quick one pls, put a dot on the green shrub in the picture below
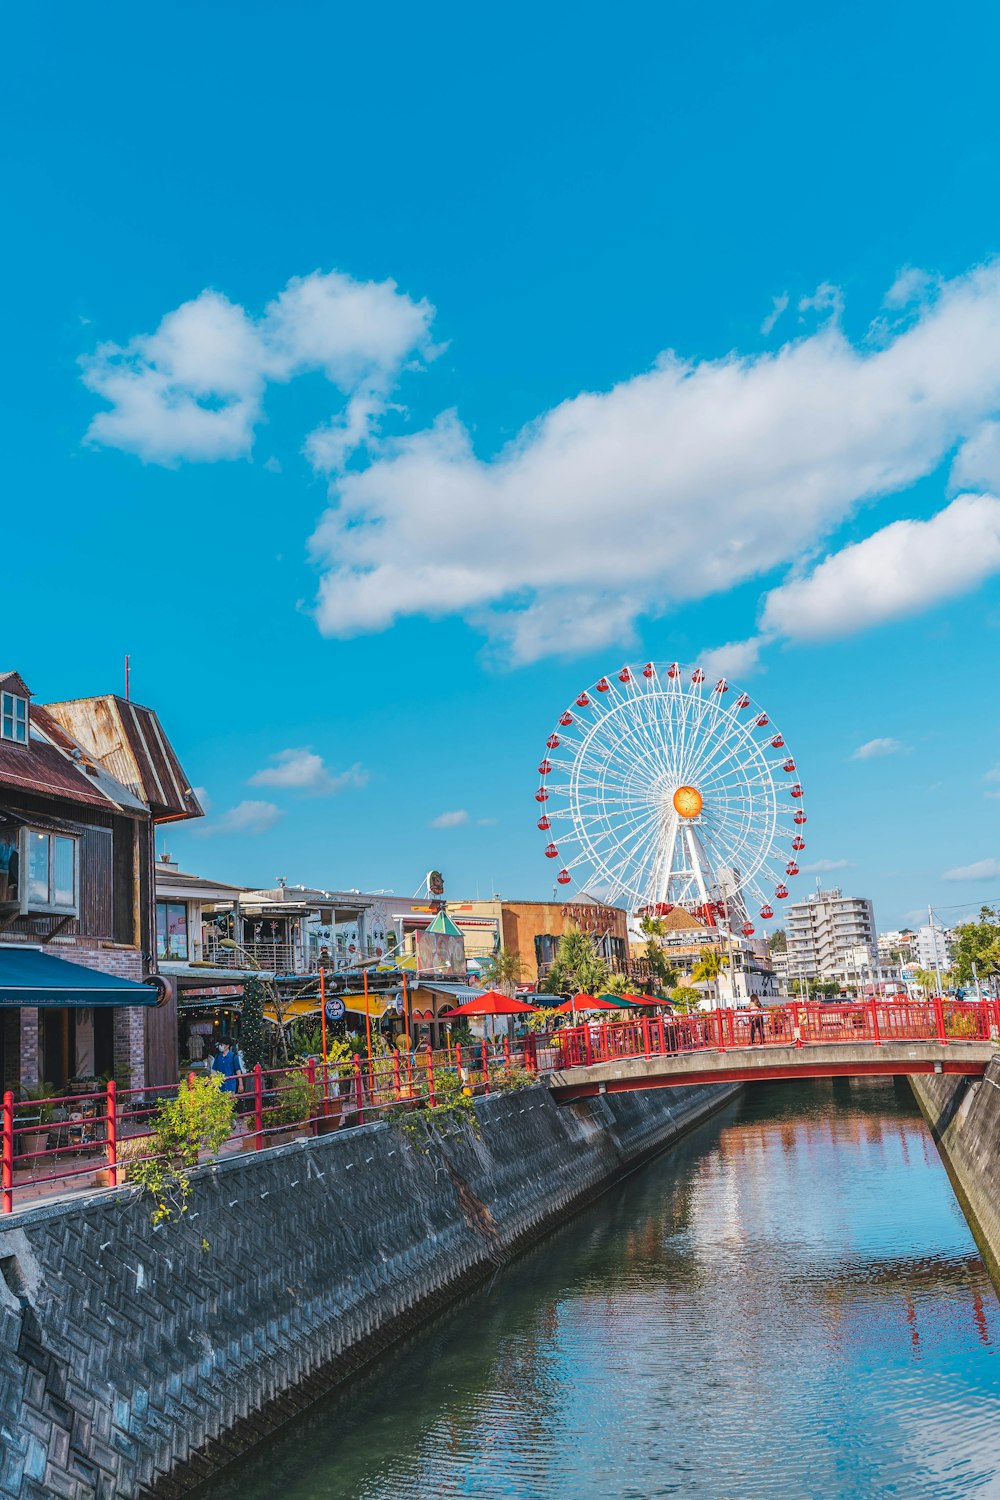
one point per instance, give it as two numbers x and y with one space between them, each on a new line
295 1103
199 1118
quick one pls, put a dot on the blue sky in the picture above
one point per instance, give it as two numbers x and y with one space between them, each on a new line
405 244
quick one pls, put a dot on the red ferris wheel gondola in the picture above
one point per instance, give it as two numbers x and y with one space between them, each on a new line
767 912
553 742
583 701
748 929
789 766
544 822
551 852
795 791
566 718
604 685
542 795
544 767
781 891
743 701
799 817
649 670
624 675
722 686
697 675
798 842
761 720
674 669
778 742
791 868
563 877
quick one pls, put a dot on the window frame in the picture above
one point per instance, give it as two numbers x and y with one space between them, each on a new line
51 907
168 957
14 706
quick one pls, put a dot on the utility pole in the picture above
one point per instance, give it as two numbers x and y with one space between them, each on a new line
937 961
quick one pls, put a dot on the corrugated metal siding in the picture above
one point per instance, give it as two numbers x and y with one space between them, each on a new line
97 883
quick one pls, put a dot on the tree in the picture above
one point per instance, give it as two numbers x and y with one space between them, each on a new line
709 967
978 943
661 969
503 971
685 999
253 1039
578 967
778 941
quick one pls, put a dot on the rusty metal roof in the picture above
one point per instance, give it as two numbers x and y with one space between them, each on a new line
128 741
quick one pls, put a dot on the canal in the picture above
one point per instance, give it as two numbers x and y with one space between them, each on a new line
789 1304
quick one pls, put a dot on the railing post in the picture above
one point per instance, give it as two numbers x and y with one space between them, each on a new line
939 1020
730 1027
430 1080
311 1075
8 1152
645 1036
662 1036
719 1031
359 1093
588 1052
111 1115
876 1033
258 1106
396 1075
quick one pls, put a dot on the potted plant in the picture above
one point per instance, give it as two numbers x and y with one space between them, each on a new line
287 1110
33 1108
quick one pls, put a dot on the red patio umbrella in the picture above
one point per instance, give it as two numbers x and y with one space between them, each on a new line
492 1003
585 1002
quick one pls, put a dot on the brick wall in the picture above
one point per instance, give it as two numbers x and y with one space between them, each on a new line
140 1360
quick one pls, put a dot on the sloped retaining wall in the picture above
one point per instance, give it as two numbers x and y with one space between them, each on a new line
136 1361
964 1119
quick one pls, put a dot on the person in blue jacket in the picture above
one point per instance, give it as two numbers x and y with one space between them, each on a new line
227 1062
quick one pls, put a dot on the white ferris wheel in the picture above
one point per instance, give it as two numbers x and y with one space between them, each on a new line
661 788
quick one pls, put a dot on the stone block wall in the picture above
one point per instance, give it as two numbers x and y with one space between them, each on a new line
964 1119
135 1361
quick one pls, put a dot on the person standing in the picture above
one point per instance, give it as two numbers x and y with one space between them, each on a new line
227 1062
756 1021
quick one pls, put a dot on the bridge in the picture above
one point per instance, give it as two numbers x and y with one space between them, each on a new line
879 1038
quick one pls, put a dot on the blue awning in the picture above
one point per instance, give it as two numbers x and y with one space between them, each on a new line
29 976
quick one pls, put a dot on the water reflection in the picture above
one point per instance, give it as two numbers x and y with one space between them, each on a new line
789 1305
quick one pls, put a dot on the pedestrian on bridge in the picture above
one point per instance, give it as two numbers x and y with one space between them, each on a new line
756 1021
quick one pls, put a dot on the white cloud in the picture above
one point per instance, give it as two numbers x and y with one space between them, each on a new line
779 304
825 866
450 819
983 869
678 483
194 389
738 659
204 800
600 510
905 567
875 749
305 771
245 817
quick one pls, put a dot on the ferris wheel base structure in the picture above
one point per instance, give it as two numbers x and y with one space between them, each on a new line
660 788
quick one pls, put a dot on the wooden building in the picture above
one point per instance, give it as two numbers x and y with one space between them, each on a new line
81 787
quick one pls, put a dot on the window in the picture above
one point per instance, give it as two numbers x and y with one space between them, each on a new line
14 718
171 929
49 861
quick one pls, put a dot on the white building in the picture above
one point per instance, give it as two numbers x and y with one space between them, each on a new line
824 929
903 942
933 947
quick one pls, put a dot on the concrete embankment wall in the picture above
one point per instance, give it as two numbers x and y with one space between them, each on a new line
964 1118
136 1360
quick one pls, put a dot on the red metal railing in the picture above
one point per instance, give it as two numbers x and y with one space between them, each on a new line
76 1141
799 1025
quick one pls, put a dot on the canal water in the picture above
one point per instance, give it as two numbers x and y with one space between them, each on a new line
789 1304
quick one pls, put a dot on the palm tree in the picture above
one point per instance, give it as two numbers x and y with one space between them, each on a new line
577 966
709 967
502 970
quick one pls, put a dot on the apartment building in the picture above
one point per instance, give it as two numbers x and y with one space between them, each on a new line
824 929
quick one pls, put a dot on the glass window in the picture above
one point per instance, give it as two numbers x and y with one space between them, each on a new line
50 861
14 718
171 929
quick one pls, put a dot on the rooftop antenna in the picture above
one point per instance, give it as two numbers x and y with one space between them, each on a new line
126 676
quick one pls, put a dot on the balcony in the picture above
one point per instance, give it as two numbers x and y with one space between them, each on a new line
274 958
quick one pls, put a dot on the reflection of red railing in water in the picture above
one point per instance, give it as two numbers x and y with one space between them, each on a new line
795 1024
90 1139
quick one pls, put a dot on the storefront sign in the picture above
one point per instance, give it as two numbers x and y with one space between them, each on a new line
335 1009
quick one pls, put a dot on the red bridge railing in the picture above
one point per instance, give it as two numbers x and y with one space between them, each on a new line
799 1025
75 1141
